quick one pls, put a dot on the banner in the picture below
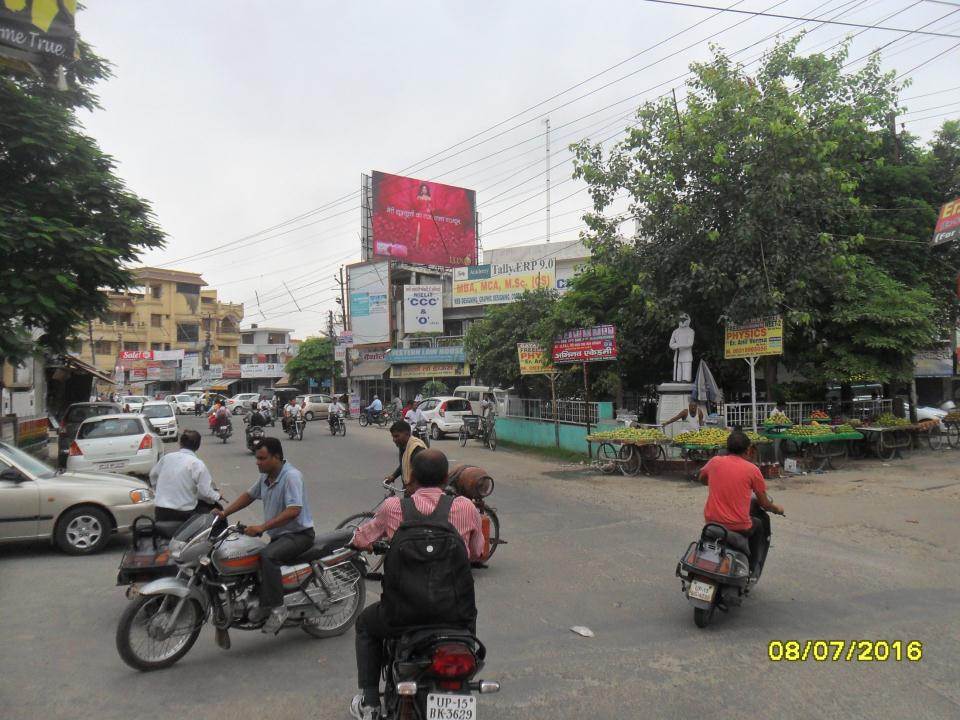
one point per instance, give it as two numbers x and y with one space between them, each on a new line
423 222
592 344
501 282
163 371
136 355
451 354
340 353
423 308
948 223
261 370
533 359
138 374
38 30
168 354
345 338
753 338
429 370
190 367
368 286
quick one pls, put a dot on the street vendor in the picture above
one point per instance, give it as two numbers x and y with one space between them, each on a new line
692 417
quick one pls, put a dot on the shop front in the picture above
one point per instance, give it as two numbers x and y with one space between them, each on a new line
410 368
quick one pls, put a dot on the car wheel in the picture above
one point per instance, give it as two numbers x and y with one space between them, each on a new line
83 531
308 415
236 410
435 433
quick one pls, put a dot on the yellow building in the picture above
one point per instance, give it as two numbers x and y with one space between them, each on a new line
167 310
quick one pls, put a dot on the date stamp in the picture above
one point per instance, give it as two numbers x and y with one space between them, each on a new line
845 650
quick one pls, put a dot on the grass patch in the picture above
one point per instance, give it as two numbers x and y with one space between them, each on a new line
551 453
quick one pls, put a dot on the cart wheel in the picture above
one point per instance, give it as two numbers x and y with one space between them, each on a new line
936 438
904 440
650 454
788 449
629 460
814 458
884 452
839 460
953 435
607 455
463 437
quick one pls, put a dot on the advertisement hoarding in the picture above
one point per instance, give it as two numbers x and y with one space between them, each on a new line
450 354
261 370
948 223
753 338
423 222
38 31
423 308
533 359
429 370
592 344
345 338
501 282
368 287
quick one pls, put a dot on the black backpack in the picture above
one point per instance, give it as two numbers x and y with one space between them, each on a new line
427 578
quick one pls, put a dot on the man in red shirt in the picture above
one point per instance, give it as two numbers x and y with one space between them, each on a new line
732 479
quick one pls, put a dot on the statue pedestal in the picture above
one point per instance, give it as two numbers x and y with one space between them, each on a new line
674 397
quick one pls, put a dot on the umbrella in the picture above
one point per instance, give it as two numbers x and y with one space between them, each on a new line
705 388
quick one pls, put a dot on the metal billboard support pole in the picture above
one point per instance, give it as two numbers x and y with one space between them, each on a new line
553 403
752 362
586 395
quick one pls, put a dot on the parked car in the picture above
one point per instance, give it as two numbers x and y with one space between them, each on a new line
182 403
133 403
75 414
162 418
242 401
115 443
318 406
444 414
79 510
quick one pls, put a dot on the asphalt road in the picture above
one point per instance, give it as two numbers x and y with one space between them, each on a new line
861 556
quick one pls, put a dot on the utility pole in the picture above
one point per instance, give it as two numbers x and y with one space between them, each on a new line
207 346
333 342
343 316
547 123
93 353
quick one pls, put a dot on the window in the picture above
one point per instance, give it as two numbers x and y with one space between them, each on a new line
103 347
80 413
227 327
188 289
276 339
474 395
458 406
156 320
156 291
188 332
226 351
131 346
247 338
158 411
111 427
156 346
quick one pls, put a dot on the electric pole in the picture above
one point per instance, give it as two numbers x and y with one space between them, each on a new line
333 343
547 123
343 316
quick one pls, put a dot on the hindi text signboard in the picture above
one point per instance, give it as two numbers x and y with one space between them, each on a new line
592 344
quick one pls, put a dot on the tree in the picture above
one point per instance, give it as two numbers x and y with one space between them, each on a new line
434 387
314 360
69 228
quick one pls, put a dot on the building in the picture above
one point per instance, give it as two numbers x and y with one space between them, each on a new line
164 334
264 352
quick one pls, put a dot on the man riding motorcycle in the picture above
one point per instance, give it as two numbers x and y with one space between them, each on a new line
336 410
265 407
290 411
424 490
373 408
408 446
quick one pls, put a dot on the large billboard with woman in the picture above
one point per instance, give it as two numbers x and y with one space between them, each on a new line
423 222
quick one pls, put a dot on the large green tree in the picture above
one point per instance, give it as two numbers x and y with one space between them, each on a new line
69 228
314 360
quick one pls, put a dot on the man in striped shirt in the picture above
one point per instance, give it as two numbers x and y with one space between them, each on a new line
427 477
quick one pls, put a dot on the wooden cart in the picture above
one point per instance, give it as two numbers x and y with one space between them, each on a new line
817 452
630 457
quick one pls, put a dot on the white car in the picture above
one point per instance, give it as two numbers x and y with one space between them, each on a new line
115 443
163 418
444 414
133 403
182 403
243 401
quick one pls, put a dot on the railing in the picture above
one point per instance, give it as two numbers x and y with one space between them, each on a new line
439 341
568 411
742 413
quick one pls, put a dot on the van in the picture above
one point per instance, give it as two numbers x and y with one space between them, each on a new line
474 394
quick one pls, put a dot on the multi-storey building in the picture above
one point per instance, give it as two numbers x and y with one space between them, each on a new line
264 352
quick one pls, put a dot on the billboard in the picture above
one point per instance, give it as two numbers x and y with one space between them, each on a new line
261 370
592 344
423 222
533 359
38 30
501 282
423 308
753 338
429 370
948 223
367 290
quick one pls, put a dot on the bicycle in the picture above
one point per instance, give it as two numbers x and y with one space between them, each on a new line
479 428
374 561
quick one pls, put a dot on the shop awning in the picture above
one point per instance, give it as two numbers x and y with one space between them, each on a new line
221 385
75 363
369 370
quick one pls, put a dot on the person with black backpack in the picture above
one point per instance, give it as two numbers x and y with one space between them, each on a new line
427 578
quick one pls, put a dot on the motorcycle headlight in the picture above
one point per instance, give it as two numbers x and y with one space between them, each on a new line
141 496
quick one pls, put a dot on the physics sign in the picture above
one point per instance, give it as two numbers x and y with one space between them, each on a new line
533 359
753 338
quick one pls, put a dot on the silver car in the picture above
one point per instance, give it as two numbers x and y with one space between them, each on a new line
77 511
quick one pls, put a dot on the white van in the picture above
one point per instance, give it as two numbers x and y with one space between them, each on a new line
474 394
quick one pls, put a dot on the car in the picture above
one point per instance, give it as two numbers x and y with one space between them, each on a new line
242 401
476 394
133 403
70 421
183 403
123 443
80 510
444 414
318 406
162 418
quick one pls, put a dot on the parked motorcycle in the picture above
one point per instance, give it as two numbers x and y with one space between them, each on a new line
717 571
295 427
338 426
218 583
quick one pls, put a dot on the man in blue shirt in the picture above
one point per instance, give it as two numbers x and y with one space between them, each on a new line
286 519
375 407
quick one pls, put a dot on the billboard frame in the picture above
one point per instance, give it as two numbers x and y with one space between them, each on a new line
390 322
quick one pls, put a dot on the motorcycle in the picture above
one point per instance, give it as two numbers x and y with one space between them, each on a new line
717 571
430 672
223 430
373 418
217 582
254 433
420 431
338 426
295 427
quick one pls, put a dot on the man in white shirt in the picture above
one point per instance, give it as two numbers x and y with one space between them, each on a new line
181 480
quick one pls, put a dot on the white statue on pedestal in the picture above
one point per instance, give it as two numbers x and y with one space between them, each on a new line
681 342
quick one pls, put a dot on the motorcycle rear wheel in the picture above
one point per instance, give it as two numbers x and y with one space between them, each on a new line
701 617
355 605
138 614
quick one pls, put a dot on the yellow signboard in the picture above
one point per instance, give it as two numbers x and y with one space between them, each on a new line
754 338
534 360
501 282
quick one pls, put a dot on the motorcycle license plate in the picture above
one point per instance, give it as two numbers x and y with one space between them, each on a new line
451 707
701 590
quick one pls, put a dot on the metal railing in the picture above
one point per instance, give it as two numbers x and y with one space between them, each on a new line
439 341
742 413
568 411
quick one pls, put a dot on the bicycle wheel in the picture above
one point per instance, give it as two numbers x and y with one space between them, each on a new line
607 455
463 437
353 522
936 438
492 439
838 460
494 531
629 460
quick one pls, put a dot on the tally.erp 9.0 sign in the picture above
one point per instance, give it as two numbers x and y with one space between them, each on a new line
423 308
423 222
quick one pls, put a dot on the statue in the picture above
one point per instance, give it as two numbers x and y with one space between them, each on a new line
681 342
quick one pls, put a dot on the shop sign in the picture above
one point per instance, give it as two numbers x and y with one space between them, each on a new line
161 371
231 371
138 374
340 353
345 339
533 359
261 370
168 354
753 338
136 355
453 354
38 31
423 308
592 344
429 370
948 223
501 282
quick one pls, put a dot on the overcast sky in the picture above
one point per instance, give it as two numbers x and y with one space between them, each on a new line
234 117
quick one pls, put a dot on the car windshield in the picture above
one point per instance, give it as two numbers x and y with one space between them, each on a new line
184 398
157 411
81 413
133 399
28 462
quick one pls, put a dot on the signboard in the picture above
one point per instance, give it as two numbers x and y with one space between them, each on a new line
340 353
453 354
501 282
753 338
190 367
368 287
345 339
162 370
136 355
593 344
138 374
423 222
231 371
429 370
168 354
38 30
261 370
533 359
933 363
948 223
423 308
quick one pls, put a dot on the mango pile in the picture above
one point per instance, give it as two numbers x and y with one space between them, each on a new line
640 435
704 436
952 416
756 438
811 430
891 420
845 428
778 418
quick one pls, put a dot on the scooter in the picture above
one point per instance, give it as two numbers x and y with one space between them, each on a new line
717 572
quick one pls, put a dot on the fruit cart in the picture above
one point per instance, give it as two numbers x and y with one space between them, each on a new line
697 447
817 447
888 442
951 425
629 450
930 433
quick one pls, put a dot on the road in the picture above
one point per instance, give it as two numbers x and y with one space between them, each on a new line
862 554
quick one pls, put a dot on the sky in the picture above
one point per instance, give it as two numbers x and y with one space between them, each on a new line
232 118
